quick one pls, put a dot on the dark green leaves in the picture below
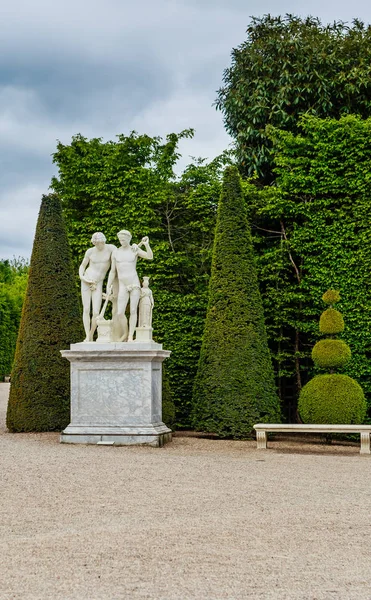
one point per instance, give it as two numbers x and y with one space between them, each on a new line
130 184
13 281
287 67
322 206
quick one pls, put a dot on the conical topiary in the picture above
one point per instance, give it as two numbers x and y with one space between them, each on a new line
40 390
331 398
234 386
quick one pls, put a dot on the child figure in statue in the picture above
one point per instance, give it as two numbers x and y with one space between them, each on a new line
123 261
146 305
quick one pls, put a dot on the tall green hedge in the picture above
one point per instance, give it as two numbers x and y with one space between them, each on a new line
234 387
39 391
130 184
13 281
311 231
9 321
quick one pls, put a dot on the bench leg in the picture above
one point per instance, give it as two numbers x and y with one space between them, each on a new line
261 440
365 443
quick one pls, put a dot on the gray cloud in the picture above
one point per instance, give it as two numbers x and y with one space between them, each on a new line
106 68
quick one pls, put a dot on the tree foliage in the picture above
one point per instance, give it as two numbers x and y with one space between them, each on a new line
40 391
311 231
234 387
13 281
289 66
130 184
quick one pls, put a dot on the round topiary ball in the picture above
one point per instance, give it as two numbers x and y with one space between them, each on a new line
331 297
331 321
332 399
331 354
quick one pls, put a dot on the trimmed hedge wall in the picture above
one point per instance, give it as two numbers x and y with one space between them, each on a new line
13 282
313 231
130 184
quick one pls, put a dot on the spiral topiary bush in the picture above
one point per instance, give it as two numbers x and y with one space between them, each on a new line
331 398
331 321
330 354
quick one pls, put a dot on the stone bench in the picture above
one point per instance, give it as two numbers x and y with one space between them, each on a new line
263 428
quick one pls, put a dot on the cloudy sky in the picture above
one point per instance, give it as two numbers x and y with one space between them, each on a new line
103 68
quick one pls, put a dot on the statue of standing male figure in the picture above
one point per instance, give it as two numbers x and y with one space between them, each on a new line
123 265
123 284
92 271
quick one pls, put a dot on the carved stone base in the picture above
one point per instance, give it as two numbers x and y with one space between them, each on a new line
116 394
119 436
104 328
143 334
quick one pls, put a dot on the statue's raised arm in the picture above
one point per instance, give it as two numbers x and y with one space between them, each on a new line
148 254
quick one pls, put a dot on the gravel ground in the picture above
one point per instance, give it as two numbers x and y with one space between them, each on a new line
197 519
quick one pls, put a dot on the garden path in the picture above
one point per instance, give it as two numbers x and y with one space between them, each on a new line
199 518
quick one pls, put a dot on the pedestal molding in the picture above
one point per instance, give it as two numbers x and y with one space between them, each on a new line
116 394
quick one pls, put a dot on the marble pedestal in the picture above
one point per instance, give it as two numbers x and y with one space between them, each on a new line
116 394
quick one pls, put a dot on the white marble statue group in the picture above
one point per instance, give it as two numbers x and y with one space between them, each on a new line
123 288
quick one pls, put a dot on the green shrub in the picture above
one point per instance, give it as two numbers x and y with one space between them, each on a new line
331 354
322 207
168 407
331 322
331 297
9 321
332 399
13 282
130 183
234 387
40 389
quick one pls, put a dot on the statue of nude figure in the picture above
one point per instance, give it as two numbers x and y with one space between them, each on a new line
124 260
92 271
